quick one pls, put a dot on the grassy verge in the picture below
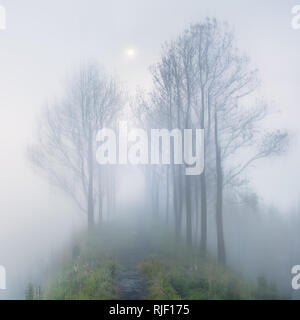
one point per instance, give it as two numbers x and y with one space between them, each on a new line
176 272
86 274
88 269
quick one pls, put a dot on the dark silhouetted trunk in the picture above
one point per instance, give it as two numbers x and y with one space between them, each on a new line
196 193
168 195
188 179
203 241
100 210
203 191
219 200
177 204
188 201
90 184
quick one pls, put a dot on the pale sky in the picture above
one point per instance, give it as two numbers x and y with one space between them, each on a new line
45 40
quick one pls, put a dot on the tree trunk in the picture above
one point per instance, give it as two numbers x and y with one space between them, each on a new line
203 241
196 209
113 193
219 200
188 200
90 184
203 191
100 212
188 181
167 196
155 196
177 209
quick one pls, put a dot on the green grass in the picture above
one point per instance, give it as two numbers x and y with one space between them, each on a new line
172 270
171 279
84 282
177 272
90 276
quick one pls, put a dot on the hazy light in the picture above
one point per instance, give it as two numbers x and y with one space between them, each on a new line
130 53
130 187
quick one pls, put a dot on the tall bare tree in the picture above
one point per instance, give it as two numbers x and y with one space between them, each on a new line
66 143
203 81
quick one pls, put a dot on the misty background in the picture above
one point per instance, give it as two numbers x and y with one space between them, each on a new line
43 43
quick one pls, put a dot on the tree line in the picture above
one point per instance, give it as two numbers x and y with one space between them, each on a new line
200 81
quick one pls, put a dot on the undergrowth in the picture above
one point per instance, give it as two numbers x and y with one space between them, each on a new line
177 272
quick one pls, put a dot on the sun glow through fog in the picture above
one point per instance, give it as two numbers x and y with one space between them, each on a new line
130 53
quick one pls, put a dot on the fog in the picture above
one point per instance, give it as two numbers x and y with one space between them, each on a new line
45 41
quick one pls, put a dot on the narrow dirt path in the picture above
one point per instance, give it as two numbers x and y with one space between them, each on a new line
131 282
132 285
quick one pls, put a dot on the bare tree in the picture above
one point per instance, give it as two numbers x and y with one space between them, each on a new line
203 81
231 81
66 144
